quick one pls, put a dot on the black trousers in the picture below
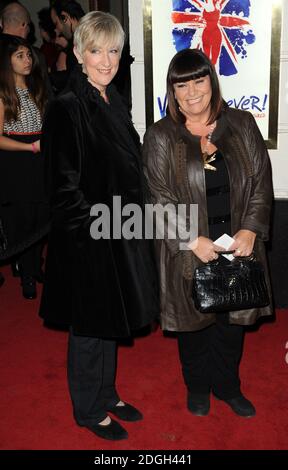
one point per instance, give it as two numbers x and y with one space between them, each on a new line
91 377
210 358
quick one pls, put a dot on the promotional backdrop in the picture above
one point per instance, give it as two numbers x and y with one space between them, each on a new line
237 35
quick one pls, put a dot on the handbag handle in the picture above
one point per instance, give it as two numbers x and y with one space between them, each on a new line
230 252
237 259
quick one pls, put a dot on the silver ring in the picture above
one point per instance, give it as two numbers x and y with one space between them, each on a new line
238 251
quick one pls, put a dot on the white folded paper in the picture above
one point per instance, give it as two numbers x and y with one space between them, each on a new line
225 241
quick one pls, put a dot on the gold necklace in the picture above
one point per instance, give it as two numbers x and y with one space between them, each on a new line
207 159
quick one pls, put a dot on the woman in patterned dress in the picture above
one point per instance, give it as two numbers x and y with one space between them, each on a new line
22 202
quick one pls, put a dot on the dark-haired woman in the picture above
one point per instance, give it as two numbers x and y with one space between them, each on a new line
207 154
22 202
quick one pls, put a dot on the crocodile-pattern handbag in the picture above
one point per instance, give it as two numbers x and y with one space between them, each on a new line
238 285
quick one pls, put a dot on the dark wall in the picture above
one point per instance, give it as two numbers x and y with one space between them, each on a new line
278 253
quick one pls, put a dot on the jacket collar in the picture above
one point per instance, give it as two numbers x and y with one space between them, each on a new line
114 119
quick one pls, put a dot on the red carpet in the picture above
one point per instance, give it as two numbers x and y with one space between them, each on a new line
35 406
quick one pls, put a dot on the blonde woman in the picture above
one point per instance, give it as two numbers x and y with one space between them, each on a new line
103 289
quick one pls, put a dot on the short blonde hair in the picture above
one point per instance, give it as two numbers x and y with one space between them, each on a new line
96 29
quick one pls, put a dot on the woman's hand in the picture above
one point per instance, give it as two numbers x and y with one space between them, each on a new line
36 146
204 249
244 243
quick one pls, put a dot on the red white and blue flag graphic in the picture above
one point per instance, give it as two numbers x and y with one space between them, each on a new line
221 28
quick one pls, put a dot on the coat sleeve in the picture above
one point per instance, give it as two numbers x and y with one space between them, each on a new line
159 173
61 145
257 218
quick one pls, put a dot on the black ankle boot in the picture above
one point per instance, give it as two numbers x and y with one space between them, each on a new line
240 405
199 403
28 287
15 268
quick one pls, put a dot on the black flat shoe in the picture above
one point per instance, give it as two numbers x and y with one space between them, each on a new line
240 405
15 268
113 431
28 287
198 404
126 412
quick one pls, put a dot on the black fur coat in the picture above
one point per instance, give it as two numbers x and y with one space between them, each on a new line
103 288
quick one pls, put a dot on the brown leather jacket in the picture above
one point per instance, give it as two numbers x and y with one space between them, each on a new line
174 168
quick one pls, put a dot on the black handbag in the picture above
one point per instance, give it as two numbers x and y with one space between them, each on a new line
238 285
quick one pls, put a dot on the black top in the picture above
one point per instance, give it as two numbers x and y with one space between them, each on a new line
218 198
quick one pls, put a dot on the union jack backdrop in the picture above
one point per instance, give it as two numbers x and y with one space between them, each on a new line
241 38
221 28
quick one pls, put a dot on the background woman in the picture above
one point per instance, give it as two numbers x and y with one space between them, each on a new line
23 210
207 154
